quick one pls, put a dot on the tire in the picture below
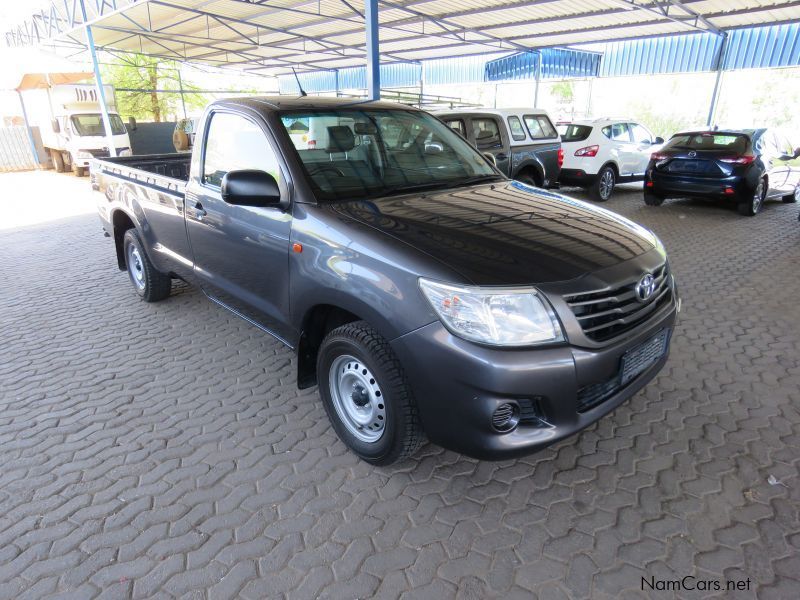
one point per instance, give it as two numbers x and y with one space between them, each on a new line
751 206
150 284
792 198
380 425
651 199
58 161
78 171
528 178
603 186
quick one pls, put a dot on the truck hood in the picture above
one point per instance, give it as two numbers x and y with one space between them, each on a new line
506 233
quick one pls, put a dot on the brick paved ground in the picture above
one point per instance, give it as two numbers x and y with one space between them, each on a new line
163 450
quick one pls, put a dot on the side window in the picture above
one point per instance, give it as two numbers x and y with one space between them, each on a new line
540 127
617 132
487 134
515 126
233 143
640 134
458 125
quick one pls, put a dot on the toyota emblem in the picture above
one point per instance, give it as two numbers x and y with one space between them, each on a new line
645 288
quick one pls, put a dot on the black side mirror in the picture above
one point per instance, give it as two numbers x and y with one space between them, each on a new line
658 140
249 187
55 126
131 124
797 152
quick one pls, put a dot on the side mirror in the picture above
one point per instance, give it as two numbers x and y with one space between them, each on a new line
490 157
131 124
797 152
658 140
434 148
55 125
250 188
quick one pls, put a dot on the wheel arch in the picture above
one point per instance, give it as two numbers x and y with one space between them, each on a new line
318 321
121 221
531 165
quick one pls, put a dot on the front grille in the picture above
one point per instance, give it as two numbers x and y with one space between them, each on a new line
634 363
606 314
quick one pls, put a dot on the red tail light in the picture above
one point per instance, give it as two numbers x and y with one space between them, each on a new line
738 160
312 144
587 151
560 157
659 156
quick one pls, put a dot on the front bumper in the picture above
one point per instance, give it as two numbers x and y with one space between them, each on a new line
458 385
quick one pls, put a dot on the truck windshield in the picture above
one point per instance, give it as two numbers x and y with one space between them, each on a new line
92 124
352 154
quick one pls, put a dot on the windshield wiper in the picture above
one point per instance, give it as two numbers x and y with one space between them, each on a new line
477 179
438 185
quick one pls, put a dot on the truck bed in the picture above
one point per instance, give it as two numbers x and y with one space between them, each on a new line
163 172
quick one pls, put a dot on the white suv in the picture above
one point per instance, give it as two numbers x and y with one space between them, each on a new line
600 153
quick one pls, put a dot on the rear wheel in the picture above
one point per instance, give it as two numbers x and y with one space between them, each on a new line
78 171
529 178
792 198
366 394
751 206
652 199
151 285
58 161
604 184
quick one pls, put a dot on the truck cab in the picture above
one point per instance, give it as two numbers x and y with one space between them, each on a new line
72 128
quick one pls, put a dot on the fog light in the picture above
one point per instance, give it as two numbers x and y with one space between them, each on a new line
506 417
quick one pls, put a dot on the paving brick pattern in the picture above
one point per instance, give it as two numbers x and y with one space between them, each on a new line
163 450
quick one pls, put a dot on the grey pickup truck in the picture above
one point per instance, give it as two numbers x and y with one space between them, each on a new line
523 142
424 292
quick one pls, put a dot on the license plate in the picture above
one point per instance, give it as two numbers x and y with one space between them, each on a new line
637 360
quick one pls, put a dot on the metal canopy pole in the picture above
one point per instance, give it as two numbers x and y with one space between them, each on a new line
373 52
28 130
538 77
101 95
712 110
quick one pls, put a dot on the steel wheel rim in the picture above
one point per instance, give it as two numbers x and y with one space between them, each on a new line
357 398
757 197
135 267
606 182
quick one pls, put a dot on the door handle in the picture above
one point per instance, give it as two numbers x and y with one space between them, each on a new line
501 156
199 211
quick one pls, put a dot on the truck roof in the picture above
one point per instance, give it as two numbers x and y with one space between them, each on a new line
276 103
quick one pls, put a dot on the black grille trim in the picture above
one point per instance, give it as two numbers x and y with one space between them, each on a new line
606 314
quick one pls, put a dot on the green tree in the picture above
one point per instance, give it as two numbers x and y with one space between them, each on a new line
563 92
145 76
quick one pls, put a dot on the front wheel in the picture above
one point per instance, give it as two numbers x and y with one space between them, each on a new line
604 185
58 161
792 198
78 171
150 284
751 206
366 394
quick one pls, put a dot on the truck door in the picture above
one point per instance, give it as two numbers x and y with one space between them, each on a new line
487 136
240 252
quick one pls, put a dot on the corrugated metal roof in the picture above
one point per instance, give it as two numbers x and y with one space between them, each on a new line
272 36
557 63
759 47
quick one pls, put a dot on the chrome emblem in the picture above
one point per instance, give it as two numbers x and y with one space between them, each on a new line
692 154
646 287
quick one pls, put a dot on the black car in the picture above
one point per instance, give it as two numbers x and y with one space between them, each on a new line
421 289
745 166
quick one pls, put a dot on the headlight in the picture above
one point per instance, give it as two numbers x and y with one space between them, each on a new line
83 154
125 152
496 316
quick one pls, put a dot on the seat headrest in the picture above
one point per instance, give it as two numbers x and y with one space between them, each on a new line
340 139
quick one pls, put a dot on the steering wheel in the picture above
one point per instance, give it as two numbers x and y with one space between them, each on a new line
314 170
